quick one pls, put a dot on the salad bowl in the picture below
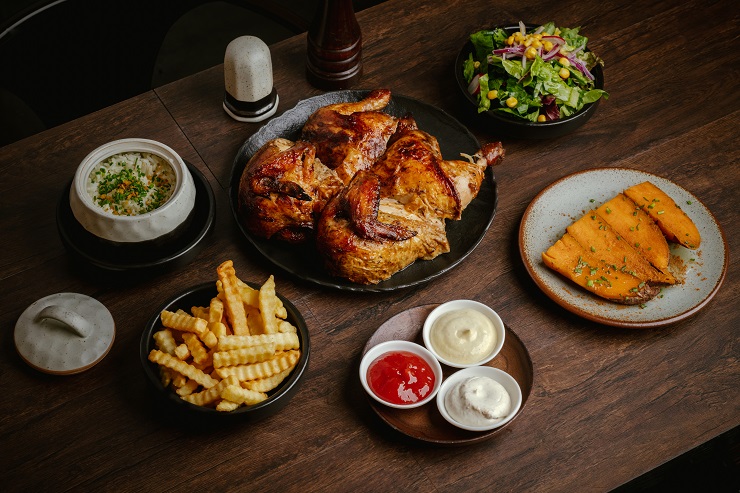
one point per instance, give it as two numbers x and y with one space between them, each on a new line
512 126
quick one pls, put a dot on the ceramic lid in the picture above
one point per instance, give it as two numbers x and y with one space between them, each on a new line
64 333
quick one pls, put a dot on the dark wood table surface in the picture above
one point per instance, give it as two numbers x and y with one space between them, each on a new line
607 404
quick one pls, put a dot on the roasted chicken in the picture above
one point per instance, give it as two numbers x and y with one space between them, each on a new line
414 172
351 136
366 239
282 190
394 213
375 189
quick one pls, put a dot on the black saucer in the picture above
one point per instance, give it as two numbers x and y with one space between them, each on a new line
100 254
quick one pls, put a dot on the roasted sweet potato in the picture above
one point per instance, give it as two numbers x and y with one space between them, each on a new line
675 224
568 257
596 235
638 229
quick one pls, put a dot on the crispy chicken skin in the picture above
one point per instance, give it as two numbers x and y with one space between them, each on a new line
366 239
350 137
374 189
414 172
365 232
282 190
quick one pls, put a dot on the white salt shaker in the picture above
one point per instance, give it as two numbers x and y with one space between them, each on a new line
249 95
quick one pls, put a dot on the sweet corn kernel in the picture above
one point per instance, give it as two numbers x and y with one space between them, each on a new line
528 42
564 73
492 94
511 102
537 43
531 53
547 45
541 118
510 40
564 61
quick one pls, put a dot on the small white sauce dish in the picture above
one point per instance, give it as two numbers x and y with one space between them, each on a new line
488 312
500 376
399 345
148 226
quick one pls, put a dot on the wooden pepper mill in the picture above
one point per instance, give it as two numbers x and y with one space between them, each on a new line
334 51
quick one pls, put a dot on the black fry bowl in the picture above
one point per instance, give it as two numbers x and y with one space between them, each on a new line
511 126
166 398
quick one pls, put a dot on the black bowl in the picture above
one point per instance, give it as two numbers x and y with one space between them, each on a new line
511 126
201 295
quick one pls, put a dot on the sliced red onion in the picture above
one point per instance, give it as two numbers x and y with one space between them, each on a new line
474 86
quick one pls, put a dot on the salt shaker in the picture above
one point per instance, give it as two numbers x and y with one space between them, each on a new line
249 95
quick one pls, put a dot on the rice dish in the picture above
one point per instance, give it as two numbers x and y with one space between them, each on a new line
131 183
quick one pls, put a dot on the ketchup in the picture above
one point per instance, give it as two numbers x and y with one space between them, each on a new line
400 377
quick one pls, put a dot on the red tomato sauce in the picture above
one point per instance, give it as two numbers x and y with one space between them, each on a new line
400 377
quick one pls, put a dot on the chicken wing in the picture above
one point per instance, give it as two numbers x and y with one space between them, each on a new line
351 136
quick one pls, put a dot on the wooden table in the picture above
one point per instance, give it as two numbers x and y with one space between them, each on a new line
607 404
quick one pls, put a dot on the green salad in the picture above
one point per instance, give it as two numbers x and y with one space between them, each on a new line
541 75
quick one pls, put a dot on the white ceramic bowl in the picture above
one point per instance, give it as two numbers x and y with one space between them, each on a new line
390 346
506 380
498 327
131 229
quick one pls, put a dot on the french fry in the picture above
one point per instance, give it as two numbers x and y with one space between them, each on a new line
281 361
249 295
282 341
178 380
200 312
233 305
243 356
254 319
287 327
164 341
241 395
226 406
215 310
182 352
211 394
164 359
231 352
209 338
269 383
187 388
218 329
197 350
268 304
183 322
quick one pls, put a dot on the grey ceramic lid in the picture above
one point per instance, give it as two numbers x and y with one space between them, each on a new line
64 333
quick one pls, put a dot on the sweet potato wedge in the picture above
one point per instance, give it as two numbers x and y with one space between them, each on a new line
596 235
638 229
570 259
675 224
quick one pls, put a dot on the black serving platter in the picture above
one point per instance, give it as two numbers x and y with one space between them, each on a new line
304 261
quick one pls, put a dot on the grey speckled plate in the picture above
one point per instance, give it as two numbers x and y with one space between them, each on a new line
567 199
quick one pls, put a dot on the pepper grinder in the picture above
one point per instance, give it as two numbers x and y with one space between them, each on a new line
249 95
334 48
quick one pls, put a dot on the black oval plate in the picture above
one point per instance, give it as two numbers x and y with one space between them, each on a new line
91 251
304 261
